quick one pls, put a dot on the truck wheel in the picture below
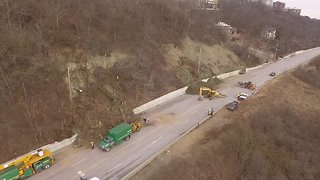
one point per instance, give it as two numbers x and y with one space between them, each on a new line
127 138
46 166
108 149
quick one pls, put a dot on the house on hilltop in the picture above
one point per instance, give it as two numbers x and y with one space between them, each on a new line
269 33
279 6
208 4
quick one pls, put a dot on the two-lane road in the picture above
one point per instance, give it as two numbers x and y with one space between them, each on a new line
167 123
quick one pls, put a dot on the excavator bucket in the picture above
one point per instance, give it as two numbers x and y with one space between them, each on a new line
242 71
136 126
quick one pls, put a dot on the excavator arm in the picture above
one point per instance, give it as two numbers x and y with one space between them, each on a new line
17 161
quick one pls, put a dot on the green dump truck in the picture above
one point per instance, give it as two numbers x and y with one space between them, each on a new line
115 136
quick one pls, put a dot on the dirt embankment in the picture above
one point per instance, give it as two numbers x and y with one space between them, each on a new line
274 135
119 55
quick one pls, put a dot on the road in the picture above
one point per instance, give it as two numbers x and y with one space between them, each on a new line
167 123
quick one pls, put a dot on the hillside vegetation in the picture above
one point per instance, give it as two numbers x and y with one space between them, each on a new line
78 66
273 135
293 32
119 54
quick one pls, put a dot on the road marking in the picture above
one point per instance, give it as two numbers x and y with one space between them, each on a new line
156 140
79 162
114 168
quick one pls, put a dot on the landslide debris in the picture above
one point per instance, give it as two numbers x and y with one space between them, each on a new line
212 83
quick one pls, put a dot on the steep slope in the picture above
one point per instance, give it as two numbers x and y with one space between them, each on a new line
81 66
78 66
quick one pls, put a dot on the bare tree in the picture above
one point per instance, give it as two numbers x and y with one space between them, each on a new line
8 15
58 10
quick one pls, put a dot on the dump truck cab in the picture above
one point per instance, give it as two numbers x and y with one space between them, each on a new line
106 143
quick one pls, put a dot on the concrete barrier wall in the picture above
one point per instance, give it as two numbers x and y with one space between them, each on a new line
295 53
224 76
52 147
160 100
253 68
229 74
59 145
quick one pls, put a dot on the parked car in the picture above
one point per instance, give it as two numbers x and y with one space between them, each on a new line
242 96
233 105
272 74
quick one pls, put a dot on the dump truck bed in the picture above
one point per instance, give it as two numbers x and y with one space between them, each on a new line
120 131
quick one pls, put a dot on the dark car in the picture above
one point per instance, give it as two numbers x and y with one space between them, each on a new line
233 105
272 74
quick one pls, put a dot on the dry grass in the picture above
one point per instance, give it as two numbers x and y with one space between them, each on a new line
39 39
272 136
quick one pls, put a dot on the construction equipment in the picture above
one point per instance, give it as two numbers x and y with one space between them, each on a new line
210 93
27 165
136 126
243 71
115 136
247 85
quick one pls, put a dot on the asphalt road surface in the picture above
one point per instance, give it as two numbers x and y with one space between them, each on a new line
166 123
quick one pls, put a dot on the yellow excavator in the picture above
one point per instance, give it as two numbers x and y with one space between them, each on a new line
136 126
210 93
243 71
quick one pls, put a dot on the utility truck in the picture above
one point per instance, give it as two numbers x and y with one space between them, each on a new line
27 165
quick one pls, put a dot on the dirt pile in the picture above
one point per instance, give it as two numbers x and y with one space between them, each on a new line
276 139
212 83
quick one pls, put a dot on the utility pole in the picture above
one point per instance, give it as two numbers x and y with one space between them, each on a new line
199 61
294 37
70 92
276 51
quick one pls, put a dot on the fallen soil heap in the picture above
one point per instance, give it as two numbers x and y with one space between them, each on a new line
212 83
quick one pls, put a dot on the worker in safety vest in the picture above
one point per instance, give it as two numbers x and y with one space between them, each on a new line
210 112
92 145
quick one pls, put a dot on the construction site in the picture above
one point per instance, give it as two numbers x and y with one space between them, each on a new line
269 140
75 72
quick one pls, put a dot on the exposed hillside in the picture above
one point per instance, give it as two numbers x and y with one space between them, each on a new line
274 135
119 54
